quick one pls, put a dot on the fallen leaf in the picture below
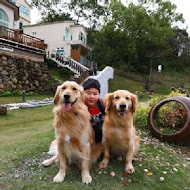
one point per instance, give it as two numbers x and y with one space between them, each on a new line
125 183
149 173
137 180
126 174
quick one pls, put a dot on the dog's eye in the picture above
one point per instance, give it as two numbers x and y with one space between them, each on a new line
74 89
127 98
63 88
117 97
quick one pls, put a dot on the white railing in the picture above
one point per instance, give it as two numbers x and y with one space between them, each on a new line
76 67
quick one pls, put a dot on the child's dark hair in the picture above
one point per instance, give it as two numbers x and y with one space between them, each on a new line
91 83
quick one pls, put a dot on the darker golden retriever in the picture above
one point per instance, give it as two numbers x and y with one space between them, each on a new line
118 131
75 139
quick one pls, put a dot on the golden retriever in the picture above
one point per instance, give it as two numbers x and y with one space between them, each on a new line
75 137
118 130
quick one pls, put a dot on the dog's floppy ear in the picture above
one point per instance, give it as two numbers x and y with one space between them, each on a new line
108 101
81 90
134 102
56 97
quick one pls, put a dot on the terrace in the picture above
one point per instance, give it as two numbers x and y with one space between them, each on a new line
16 42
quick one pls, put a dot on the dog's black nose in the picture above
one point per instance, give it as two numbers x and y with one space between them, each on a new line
67 96
122 106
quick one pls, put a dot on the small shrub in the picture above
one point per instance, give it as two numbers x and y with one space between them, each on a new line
141 117
65 72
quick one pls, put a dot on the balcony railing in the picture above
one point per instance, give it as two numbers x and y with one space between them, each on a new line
76 42
25 39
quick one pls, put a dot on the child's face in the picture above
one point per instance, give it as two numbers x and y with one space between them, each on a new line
91 96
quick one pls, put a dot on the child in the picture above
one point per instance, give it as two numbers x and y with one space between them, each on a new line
95 106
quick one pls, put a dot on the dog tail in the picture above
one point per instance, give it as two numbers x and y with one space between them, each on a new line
96 151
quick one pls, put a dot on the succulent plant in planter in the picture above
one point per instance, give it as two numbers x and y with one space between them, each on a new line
170 118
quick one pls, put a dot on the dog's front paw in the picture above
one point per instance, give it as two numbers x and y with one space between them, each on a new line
46 163
58 178
103 164
86 179
129 169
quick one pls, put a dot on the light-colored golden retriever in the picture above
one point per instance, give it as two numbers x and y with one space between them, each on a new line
75 139
118 131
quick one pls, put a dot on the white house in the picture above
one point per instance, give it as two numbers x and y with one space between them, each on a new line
61 37
12 40
14 13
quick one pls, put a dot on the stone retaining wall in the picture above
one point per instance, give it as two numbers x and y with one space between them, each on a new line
24 74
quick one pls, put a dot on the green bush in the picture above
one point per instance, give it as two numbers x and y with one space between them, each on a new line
50 63
141 117
157 99
65 72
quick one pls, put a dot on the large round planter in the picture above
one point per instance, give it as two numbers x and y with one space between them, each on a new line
181 137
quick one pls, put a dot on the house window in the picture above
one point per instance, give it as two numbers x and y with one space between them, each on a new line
33 33
4 20
81 37
20 25
66 33
23 10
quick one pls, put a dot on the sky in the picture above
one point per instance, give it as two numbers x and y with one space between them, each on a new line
183 6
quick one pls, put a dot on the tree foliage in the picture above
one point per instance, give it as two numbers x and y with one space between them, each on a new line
136 35
89 11
132 37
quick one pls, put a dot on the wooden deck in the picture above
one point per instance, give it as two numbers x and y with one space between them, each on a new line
17 36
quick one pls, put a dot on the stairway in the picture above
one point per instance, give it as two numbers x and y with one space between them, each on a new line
76 67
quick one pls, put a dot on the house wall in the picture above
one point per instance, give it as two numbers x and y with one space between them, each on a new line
24 13
76 52
75 31
10 14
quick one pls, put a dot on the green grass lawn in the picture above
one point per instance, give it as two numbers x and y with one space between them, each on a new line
25 136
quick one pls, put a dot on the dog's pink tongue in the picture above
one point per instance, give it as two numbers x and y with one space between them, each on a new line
66 106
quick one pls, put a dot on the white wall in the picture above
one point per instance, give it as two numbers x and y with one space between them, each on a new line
75 30
25 19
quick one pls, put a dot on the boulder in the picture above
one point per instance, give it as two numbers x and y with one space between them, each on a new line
3 110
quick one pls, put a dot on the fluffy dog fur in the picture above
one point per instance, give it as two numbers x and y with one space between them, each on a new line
118 130
75 139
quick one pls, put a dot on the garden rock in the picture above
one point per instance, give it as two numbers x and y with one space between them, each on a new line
3 110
